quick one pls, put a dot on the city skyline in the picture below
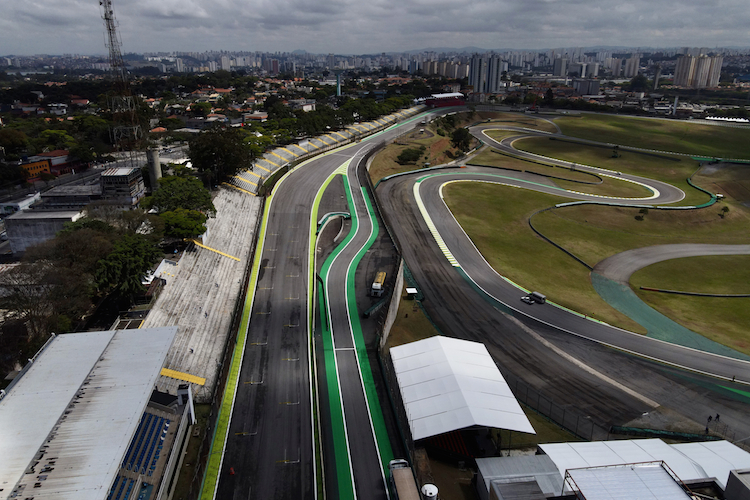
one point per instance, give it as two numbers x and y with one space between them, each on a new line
346 27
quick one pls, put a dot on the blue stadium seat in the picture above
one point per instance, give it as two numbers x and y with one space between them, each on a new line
114 487
148 446
132 442
140 435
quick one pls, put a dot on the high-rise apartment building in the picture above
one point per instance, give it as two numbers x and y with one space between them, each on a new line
486 72
632 65
225 63
714 73
698 72
560 67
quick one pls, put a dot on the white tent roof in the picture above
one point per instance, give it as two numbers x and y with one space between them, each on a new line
717 458
642 481
73 411
689 461
448 384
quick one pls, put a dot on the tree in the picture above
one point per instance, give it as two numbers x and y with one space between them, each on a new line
461 139
639 83
549 97
410 155
122 271
24 296
183 223
180 192
55 139
201 108
14 141
220 153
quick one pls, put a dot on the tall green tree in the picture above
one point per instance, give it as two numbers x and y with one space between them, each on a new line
220 153
461 139
180 192
183 223
122 271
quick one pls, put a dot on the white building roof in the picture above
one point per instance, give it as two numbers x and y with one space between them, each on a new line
118 171
446 95
73 411
642 481
716 458
690 461
448 384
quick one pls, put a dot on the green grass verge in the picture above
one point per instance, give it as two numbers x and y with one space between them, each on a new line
629 162
191 460
662 135
611 186
517 253
722 320
411 323
594 233
522 120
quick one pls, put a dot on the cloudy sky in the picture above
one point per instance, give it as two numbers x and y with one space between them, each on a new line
369 26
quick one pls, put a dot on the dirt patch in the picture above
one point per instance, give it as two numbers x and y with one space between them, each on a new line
664 419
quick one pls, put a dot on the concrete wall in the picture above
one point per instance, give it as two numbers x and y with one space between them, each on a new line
393 307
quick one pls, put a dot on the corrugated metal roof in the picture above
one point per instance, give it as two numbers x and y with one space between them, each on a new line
689 461
579 455
518 490
641 481
448 384
539 467
73 412
118 171
716 458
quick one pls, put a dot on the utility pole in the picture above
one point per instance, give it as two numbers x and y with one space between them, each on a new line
126 132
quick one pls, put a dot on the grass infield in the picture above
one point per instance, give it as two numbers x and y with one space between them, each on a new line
663 135
722 320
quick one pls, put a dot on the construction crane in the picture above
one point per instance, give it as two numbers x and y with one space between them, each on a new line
126 132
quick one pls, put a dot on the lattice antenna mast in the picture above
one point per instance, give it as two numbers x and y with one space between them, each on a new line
126 132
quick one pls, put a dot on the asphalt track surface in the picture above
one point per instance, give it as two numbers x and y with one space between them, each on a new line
621 266
456 307
270 446
401 190
477 268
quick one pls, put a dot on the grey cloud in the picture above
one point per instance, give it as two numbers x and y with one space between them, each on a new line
355 26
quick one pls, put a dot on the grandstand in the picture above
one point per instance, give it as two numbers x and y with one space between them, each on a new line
202 291
264 167
443 100
83 421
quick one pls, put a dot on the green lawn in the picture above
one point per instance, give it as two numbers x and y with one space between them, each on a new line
723 320
411 324
664 135
522 120
592 233
495 217
610 186
673 172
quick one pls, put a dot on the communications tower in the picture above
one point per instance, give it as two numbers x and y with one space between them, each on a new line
126 132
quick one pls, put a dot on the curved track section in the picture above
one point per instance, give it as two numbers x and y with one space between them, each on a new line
415 201
621 266
664 192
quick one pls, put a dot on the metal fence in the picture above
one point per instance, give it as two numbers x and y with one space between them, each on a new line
566 417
